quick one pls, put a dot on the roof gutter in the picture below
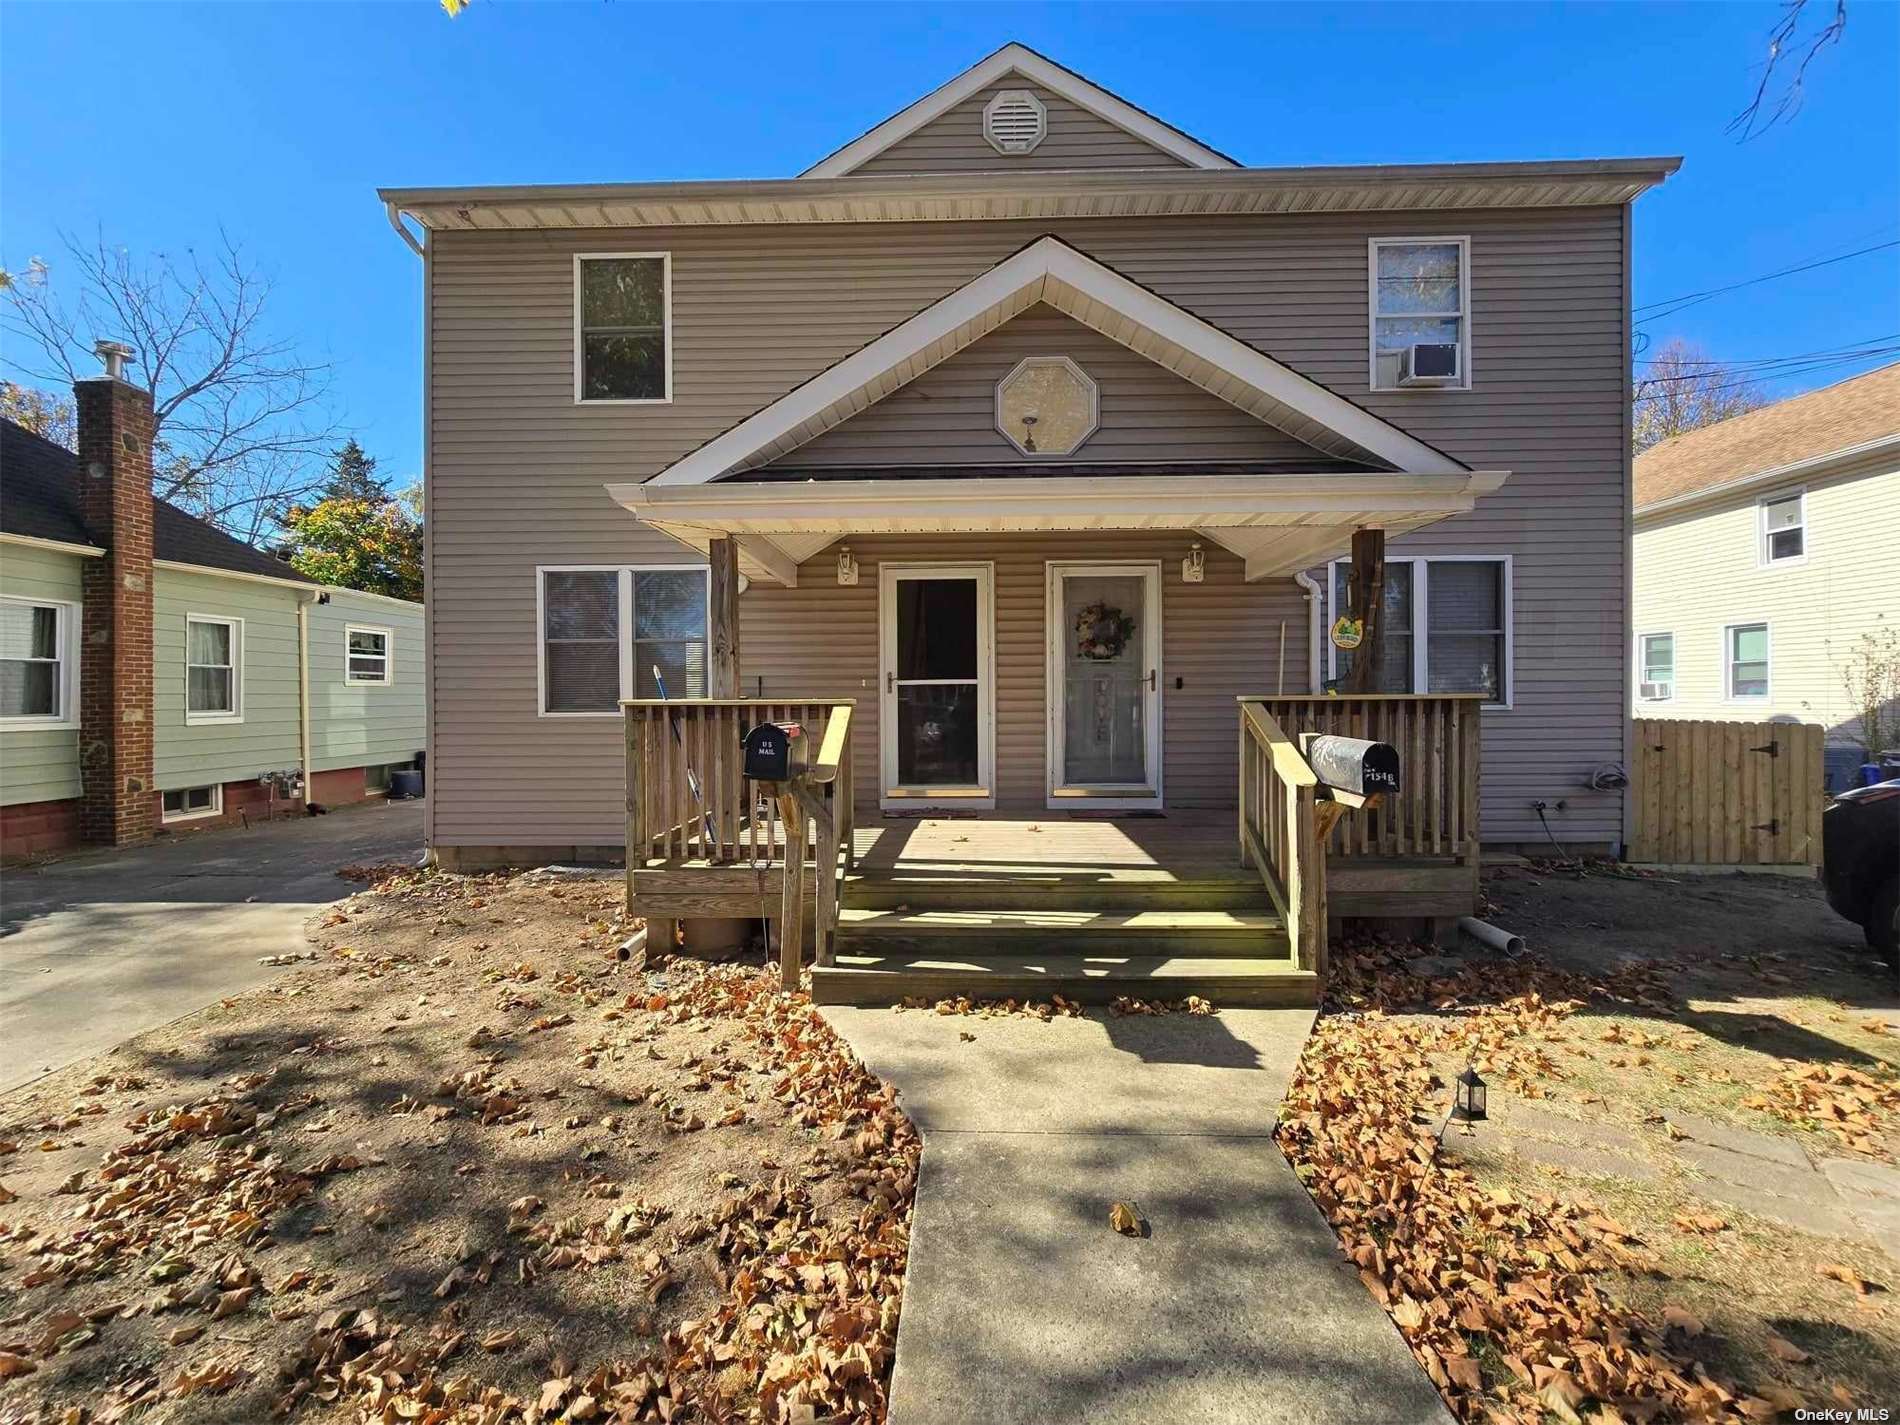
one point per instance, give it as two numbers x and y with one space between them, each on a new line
57 546
1805 466
394 214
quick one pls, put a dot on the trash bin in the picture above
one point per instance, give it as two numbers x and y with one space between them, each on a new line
405 784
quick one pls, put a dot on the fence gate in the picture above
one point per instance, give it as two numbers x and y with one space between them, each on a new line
1727 793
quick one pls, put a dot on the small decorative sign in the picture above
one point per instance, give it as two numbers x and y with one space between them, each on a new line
1348 632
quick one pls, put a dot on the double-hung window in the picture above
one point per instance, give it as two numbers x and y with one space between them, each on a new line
609 633
1420 295
366 654
214 669
1784 529
623 327
1444 626
39 664
1656 667
1745 662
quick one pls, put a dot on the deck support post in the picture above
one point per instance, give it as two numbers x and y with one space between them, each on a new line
791 921
722 641
1366 594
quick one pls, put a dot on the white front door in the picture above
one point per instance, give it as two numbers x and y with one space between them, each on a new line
937 698
1104 674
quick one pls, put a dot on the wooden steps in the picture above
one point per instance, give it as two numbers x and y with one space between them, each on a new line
871 979
978 930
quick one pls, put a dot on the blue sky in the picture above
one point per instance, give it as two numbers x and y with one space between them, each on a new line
158 123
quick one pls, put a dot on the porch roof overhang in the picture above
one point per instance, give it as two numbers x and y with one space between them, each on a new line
1278 523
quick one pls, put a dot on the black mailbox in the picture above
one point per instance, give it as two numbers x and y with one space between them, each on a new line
1352 764
776 751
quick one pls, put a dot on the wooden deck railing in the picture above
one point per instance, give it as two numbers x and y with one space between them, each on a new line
1279 832
1436 734
689 802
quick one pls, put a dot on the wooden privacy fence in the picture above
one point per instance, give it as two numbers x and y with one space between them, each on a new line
1712 793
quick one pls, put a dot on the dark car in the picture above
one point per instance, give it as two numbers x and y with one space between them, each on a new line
1860 845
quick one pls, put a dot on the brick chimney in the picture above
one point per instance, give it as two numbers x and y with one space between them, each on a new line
115 662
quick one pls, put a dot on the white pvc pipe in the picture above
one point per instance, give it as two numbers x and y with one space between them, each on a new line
1489 936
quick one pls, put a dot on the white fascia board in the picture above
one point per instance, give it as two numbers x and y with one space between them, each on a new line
56 546
961 317
1016 59
1166 501
302 586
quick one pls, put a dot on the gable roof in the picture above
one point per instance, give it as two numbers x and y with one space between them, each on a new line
1020 60
39 499
1860 411
1049 270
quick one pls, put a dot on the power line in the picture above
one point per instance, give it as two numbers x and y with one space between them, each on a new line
1807 370
1770 369
1736 362
1691 299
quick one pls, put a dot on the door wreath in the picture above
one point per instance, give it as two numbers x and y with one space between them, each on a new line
1101 632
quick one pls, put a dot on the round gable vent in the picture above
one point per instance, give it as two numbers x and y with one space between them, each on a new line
1015 121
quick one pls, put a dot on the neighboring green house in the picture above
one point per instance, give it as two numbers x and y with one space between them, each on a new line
200 680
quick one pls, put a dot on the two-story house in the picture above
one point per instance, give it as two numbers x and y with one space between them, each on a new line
1035 427
1764 565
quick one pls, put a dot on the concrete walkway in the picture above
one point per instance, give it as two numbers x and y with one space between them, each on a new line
101 946
1022 1306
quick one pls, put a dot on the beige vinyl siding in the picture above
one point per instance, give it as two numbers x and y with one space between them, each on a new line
365 725
949 413
516 469
39 764
267 740
953 141
1698 570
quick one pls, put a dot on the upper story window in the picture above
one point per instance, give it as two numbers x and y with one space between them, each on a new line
39 663
1656 675
214 669
623 327
366 655
1784 529
609 633
1444 626
1420 307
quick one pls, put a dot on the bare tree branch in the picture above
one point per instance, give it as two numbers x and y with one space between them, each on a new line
1685 389
242 429
1787 46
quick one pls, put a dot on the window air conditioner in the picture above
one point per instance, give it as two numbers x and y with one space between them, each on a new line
1429 364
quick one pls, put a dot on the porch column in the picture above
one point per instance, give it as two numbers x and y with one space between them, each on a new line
722 640
1366 592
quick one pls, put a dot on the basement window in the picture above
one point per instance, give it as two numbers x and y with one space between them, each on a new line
193 803
623 328
39 663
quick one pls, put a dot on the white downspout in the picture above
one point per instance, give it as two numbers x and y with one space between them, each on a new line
1314 633
303 689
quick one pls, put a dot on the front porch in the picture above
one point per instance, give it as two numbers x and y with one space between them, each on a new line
1233 904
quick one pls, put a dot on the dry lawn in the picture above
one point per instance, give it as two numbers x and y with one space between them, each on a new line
1533 1292
467 1165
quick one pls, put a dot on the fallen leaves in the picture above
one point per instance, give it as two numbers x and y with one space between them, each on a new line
1124 1218
1858 1108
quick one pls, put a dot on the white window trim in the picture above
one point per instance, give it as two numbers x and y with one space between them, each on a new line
216 808
388 680
1675 660
1763 559
628 681
1464 314
892 794
1421 610
666 326
236 625
1729 695
66 639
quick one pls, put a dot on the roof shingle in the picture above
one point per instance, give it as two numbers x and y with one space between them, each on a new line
39 498
1838 417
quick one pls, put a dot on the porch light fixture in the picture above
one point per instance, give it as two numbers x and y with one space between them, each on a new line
1194 567
1468 1097
847 567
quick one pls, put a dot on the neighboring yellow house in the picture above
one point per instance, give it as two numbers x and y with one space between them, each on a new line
1764 551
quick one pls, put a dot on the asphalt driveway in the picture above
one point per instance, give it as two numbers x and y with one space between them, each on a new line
104 945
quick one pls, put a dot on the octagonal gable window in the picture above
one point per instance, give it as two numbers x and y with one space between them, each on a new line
1047 406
